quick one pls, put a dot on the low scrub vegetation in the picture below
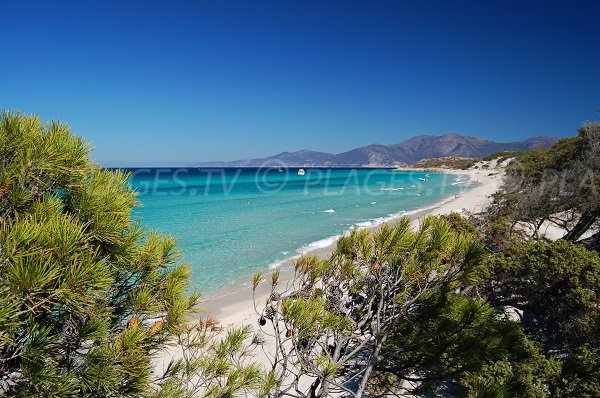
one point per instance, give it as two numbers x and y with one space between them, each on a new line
458 307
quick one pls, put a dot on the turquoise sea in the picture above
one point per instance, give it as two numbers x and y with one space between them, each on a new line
232 222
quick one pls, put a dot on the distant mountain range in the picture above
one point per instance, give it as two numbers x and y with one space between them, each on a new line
404 153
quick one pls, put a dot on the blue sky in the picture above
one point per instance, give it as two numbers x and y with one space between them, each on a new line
174 82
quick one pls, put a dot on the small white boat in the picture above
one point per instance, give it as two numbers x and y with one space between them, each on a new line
301 172
422 179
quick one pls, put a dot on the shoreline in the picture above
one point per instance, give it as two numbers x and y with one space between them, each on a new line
326 246
450 178
233 304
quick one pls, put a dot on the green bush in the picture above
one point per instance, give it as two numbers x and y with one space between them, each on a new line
86 298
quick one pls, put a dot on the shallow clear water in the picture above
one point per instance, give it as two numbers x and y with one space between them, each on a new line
232 222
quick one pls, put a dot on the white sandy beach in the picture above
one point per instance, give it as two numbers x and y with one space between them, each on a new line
235 307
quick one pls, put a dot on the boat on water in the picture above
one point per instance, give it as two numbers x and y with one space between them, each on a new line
422 179
301 172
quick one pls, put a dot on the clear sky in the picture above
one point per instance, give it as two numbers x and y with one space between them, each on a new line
173 82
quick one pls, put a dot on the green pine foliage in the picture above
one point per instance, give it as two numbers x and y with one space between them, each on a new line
343 321
521 321
215 363
86 298
557 285
455 346
566 153
557 185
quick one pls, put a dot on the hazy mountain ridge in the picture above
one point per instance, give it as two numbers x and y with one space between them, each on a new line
404 153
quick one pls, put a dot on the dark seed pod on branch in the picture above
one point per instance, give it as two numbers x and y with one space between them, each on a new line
270 312
306 291
331 349
262 321
275 296
303 344
334 298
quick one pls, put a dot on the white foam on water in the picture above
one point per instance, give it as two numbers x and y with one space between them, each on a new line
378 221
331 240
279 263
370 223
402 213
318 244
461 180
329 211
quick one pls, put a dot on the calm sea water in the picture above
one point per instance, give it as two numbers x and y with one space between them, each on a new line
232 222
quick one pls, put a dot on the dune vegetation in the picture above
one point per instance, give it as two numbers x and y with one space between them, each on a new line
482 306
477 306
